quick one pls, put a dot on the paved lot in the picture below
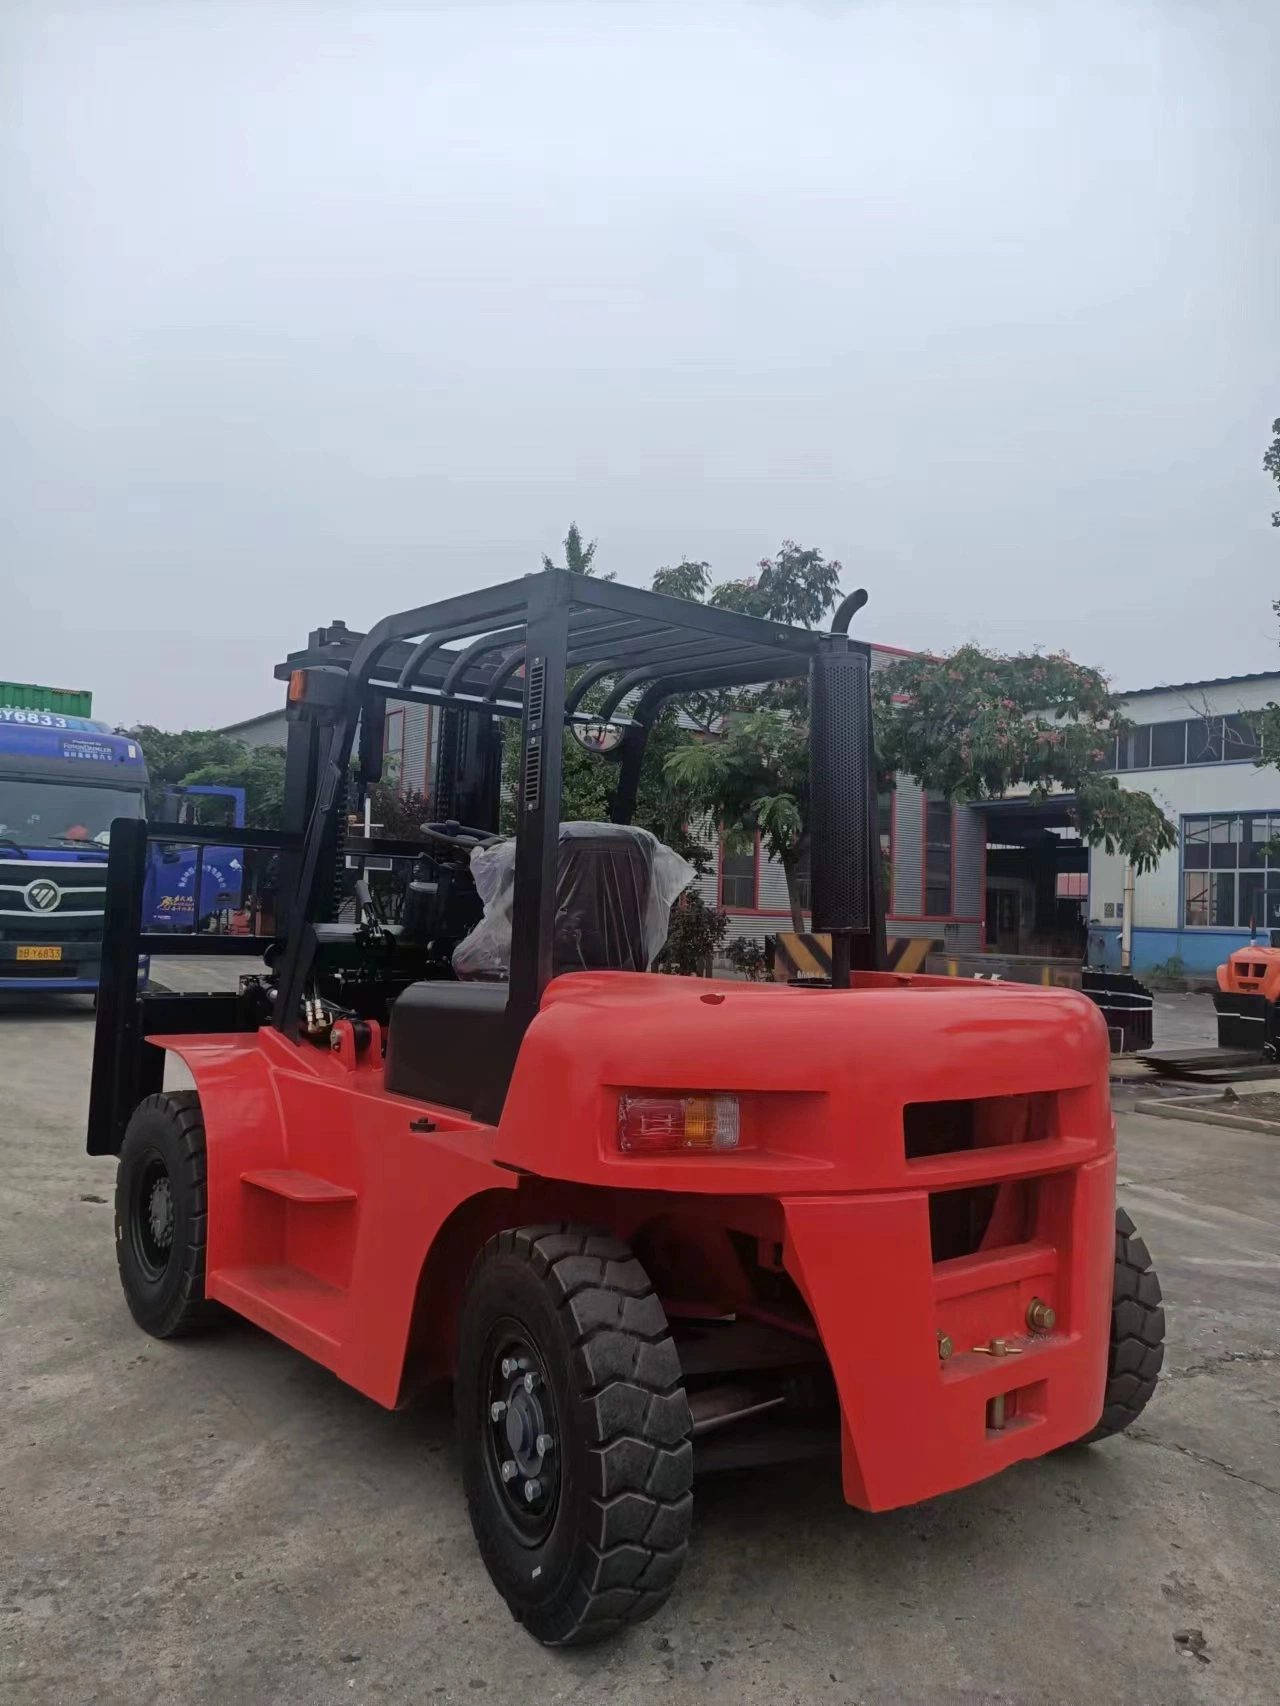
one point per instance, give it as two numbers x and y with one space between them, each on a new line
218 1523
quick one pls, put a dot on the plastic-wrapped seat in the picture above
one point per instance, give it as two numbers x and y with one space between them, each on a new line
615 886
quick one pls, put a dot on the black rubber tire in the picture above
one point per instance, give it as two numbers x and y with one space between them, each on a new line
164 1287
620 1527
1137 1334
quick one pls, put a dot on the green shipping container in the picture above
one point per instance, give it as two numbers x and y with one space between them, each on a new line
26 696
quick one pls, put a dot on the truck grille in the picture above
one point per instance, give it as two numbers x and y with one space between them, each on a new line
61 890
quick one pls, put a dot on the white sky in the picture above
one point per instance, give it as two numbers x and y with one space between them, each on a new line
318 310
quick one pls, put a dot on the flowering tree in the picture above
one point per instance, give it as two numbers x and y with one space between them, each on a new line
975 725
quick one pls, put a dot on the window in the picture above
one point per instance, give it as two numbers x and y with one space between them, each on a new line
738 879
1195 740
393 749
1168 744
937 856
1230 875
1204 741
1239 739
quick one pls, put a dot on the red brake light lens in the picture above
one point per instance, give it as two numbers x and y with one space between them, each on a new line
657 1123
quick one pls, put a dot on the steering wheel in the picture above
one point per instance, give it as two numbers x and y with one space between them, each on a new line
459 835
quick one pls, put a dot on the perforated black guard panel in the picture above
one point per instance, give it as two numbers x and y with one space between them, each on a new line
840 791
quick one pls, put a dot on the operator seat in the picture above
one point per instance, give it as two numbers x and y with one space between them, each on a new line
443 1036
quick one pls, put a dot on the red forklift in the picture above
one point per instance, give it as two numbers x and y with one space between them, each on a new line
645 1224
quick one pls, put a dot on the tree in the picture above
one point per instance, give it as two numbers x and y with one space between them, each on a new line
212 758
753 777
797 586
260 772
399 816
696 932
1271 462
974 725
578 558
752 774
686 579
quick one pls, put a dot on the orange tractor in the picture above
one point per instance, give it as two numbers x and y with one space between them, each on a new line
644 1224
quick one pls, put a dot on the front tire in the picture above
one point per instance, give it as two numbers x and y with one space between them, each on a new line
1137 1334
574 1432
162 1215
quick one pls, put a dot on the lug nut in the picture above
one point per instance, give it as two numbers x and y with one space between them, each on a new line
497 1410
530 1381
509 1470
945 1346
544 1443
531 1491
509 1367
1041 1317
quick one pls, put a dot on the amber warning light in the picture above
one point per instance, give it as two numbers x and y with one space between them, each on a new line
648 1123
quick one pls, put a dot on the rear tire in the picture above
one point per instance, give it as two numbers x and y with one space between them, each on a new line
162 1215
1137 1334
590 1533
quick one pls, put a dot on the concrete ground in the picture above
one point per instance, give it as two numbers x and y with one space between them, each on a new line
219 1522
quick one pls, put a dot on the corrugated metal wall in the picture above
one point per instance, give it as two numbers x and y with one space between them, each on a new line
968 850
417 739
908 851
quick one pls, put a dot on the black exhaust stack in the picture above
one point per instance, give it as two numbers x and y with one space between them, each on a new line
844 827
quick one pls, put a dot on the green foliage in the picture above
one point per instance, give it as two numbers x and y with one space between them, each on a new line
753 773
696 932
578 558
749 959
397 816
212 759
973 725
1166 971
687 579
753 776
1271 462
798 586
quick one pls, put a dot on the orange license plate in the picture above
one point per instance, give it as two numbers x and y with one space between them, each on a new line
39 953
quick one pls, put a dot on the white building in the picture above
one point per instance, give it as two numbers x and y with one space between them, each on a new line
1196 756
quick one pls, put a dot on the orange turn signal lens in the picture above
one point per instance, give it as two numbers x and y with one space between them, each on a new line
655 1123
297 686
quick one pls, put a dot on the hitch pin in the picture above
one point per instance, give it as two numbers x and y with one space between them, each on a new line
999 1348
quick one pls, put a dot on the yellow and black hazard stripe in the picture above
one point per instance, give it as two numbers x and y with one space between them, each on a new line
807 958
909 953
797 957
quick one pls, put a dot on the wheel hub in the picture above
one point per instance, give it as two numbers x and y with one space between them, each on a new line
160 1213
152 1218
522 1437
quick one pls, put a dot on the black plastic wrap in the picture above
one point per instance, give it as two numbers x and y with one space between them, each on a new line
614 892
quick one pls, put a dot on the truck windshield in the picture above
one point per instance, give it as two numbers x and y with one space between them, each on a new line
62 814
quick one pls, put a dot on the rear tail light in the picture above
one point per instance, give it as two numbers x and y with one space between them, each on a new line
678 1122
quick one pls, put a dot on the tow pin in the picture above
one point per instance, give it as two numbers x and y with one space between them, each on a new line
996 1409
999 1348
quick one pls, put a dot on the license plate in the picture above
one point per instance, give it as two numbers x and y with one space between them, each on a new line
39 953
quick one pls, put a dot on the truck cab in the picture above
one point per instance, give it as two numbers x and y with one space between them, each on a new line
63 780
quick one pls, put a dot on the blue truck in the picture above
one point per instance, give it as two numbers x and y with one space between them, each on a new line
64 779
169 903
